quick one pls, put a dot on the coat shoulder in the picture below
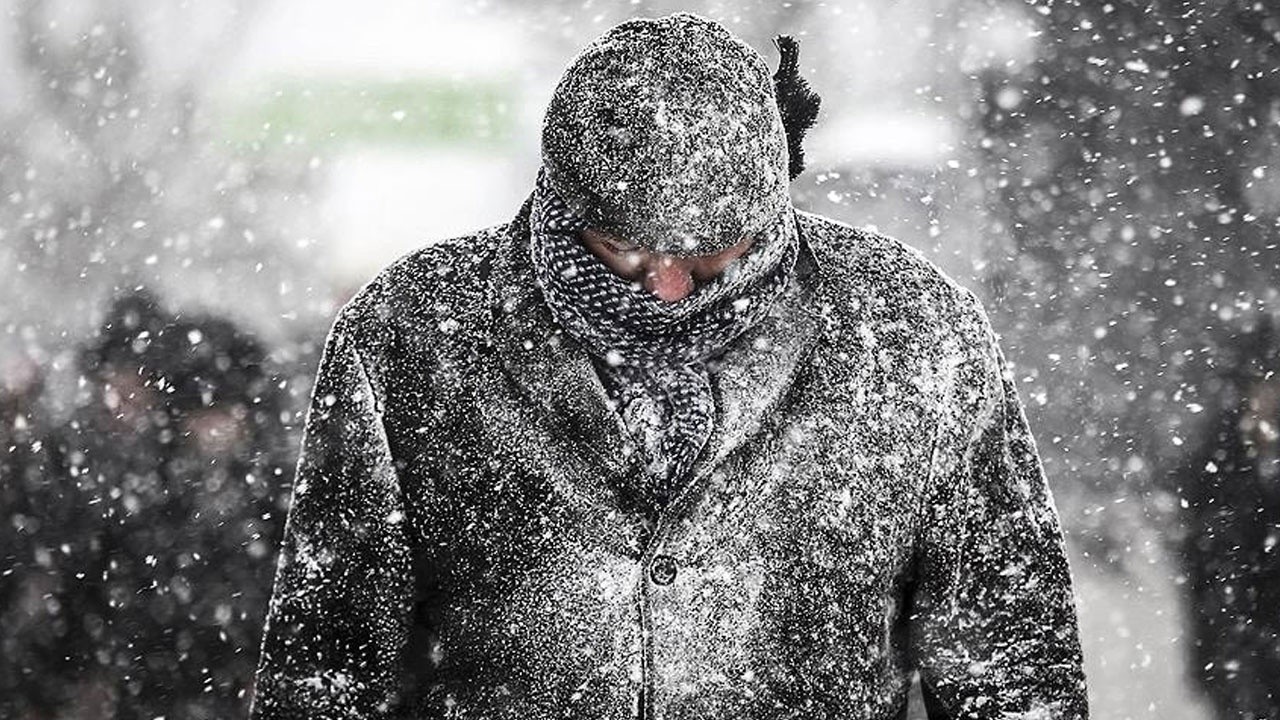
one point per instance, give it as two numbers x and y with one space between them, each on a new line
875 279
429 295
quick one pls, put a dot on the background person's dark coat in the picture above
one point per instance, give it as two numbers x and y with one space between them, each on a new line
870 502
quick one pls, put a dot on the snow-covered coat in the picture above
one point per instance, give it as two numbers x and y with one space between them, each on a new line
870 503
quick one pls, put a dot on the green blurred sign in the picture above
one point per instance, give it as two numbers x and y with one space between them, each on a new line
415 112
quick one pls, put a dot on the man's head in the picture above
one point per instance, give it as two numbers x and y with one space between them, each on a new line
667 134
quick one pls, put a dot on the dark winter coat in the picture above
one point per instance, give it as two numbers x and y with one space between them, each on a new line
870 503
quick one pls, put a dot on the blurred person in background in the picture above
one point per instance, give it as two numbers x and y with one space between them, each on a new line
62 644
1230 547
664 446
155 522
26 645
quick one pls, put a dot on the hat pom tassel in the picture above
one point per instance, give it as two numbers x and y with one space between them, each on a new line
797 101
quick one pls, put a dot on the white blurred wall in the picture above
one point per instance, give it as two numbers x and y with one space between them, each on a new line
381 200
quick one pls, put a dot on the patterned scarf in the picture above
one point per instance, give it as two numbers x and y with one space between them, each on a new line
652 355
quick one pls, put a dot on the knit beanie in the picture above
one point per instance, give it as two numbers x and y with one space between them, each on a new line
669 133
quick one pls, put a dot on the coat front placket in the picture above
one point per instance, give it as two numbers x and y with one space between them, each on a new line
560 382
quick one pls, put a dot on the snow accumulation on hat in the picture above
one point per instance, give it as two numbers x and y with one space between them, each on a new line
669 133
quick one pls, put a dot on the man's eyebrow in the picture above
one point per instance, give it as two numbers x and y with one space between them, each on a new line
615 240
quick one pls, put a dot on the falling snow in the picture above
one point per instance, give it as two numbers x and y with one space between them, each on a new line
1005 443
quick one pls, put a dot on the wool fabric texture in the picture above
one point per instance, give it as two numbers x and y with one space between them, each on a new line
653 355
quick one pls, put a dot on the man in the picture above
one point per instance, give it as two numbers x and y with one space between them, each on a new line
664 447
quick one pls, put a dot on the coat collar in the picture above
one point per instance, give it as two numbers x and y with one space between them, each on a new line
556 376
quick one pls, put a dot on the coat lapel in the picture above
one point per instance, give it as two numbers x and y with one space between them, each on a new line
556 376
553 372
756 372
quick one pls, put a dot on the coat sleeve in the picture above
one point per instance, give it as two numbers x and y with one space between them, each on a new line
339 613
993 623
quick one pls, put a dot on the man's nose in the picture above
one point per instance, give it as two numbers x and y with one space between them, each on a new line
669 279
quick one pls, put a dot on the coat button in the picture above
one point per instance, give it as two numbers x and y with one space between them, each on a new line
662 570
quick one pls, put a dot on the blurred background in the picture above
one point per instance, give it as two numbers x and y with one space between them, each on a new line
189 191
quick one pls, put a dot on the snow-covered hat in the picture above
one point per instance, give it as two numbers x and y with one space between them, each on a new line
668 132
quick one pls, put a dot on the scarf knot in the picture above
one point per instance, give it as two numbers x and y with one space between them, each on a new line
653 355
